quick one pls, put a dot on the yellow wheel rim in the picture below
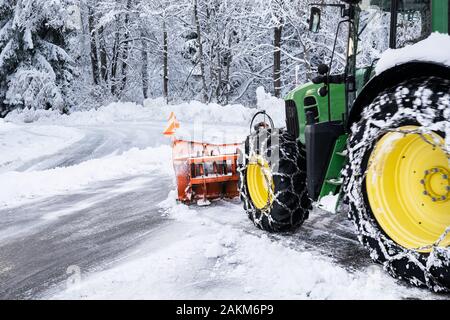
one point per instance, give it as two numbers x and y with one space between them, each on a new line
408 188
260 183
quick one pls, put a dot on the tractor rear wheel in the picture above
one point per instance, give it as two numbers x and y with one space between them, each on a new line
397 182
273 181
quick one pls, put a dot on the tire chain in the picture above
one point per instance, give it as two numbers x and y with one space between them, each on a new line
257 215
375 128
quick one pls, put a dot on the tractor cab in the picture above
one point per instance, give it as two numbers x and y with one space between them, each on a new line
373 27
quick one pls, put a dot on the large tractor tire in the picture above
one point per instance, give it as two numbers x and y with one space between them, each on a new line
273 188
397 181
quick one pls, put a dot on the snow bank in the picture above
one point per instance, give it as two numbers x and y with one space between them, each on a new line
211 254
158 110
436 48
20 187
21 143
274 107
197 111
213 113
114 112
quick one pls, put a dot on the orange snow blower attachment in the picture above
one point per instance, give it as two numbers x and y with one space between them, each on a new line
205 171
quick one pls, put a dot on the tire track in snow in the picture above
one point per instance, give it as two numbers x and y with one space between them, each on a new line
88 228
89 238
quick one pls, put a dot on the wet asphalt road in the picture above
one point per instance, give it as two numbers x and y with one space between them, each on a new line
86 229
53 235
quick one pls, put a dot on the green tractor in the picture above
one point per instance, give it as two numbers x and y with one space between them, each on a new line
376 135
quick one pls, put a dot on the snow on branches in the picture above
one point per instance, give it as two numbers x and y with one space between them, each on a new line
35 68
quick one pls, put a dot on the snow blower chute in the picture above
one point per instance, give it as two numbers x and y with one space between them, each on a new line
204 171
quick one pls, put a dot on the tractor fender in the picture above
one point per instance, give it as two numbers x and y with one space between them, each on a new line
390 78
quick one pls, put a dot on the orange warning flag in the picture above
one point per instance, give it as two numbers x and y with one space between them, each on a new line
172 125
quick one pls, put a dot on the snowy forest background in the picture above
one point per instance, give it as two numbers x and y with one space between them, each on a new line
78 54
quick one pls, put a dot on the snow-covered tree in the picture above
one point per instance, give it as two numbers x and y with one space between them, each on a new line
215 50
35 69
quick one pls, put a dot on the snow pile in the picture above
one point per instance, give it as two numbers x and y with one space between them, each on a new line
274 107
215 253
436 48
19 144
114 112
158 110
329 203
216 114
20 187
200 112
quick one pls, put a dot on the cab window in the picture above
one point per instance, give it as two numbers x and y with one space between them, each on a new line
414 21
374 30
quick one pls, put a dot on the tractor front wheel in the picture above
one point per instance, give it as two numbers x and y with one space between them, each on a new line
397 182
273 181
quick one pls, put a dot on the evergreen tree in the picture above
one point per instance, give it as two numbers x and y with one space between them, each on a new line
35 69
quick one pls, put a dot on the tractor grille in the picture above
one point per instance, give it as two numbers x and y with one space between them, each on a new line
292 118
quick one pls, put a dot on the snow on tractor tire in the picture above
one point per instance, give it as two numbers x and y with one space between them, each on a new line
274 192
397 182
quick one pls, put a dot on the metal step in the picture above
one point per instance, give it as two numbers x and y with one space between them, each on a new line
335 182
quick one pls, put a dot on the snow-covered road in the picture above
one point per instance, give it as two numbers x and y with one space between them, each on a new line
96 218
99 142
86 227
